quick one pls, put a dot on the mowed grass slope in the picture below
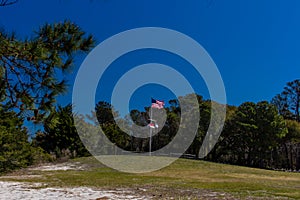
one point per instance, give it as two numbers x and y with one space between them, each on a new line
183 174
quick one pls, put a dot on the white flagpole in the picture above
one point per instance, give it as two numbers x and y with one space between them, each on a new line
150 132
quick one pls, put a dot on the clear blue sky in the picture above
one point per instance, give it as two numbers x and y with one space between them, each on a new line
255 44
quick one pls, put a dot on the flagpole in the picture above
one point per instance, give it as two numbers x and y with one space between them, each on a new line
150 132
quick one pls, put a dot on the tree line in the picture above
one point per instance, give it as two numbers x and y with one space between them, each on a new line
263 134
255 134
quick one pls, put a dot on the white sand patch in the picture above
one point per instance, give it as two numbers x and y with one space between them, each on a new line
33 191
61 166
21 176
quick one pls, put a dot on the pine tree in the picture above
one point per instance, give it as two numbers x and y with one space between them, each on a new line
15 150
29 68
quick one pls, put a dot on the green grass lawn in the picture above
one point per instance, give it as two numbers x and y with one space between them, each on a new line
182 175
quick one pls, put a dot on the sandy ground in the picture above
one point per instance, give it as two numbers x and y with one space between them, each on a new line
36 191
59 166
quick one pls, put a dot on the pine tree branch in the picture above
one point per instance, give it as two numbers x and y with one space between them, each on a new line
7 2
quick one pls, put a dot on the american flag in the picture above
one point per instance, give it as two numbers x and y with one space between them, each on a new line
157 103
153 125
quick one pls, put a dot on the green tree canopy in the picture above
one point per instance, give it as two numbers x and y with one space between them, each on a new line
288 102
15 150
29 67
251 133
60 134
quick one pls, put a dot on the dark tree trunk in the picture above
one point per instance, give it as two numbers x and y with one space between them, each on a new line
291 159
288 166
297 107
298 157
